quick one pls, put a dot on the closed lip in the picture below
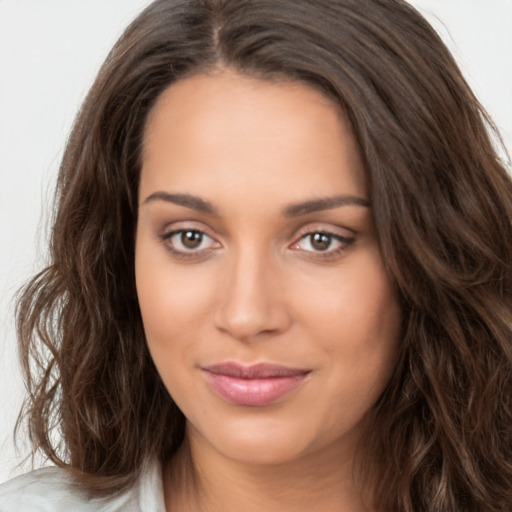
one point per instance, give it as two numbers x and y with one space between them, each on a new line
255 385
255 371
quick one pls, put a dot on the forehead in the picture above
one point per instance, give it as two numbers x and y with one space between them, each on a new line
250 135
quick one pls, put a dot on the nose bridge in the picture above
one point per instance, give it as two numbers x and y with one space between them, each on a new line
250 301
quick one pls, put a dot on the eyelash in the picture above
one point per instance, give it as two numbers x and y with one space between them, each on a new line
166 239
328 254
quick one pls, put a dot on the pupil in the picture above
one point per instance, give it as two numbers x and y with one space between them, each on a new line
191 239
321 241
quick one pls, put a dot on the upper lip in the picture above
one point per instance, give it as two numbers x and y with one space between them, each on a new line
255 371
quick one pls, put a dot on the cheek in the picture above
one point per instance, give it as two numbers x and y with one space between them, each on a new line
168 318
355 319
172 304
169 293
359 300
168 307
356 324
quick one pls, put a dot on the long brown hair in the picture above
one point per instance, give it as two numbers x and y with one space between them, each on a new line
440 436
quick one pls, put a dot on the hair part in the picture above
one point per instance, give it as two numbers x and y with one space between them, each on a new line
439 438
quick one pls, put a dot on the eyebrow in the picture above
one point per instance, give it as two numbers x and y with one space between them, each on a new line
292 210
325 203
187 200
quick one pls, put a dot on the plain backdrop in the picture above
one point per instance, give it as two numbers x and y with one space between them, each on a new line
50 51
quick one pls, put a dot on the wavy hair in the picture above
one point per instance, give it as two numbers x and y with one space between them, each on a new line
440 437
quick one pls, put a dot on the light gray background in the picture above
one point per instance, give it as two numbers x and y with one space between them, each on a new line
50 51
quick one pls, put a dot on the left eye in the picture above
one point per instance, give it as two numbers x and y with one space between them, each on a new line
189 240
322 242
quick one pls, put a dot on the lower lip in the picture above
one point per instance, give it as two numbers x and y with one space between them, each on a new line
253 392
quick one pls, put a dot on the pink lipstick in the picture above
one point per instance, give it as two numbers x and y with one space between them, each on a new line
257 385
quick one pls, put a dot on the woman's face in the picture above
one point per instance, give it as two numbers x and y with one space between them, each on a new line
265 302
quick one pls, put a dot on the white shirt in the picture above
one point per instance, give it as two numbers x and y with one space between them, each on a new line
52 490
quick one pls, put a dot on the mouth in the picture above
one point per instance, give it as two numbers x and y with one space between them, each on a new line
257 385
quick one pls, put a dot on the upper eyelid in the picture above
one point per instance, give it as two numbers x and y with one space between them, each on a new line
325 232
191 225
342 232
347 240
335 236
344 236
166 235
186 254
171 232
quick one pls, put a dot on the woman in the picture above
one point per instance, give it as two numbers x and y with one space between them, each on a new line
288 217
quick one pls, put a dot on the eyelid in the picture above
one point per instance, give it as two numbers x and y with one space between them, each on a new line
341 239
342 235
177 228
184 225
170 234
345 240
328 229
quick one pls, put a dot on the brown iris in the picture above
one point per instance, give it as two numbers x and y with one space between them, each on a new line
321 241
191 239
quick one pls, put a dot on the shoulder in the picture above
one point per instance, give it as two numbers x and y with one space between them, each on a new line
54 490
43 490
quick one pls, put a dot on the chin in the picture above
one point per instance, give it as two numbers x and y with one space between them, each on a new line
263 441
261 450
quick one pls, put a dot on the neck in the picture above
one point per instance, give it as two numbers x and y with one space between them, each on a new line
199 479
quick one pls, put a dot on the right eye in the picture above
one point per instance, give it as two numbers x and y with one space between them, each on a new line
188 241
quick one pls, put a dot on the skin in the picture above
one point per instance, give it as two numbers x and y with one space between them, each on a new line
257 289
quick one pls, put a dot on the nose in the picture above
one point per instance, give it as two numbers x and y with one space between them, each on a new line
251 303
